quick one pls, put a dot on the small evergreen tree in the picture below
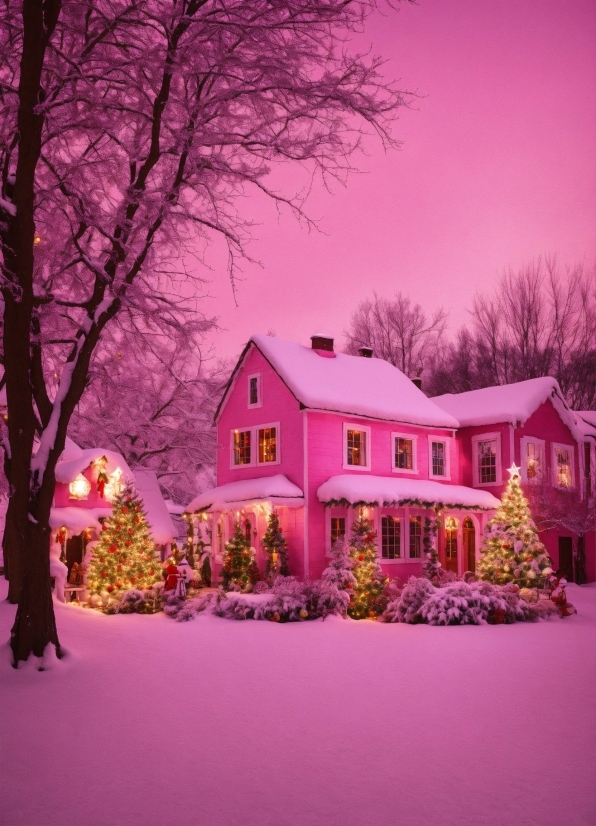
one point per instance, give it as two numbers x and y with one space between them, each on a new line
368 598
274 542
125 556
511 550
332 592
237 567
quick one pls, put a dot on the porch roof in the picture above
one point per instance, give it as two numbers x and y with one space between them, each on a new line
77 519
389 491
275 489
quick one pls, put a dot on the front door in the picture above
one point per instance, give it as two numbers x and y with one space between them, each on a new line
451 544
566 556
74 551
469 539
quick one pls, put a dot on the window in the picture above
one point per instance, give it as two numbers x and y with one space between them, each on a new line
338 528
563 465
254 391
438 458
415 537
258 445
486 458
242 453
267 445
451 526
487 461
403 457
390 537
532 459
356 447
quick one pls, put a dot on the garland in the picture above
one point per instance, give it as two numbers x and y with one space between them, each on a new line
414 503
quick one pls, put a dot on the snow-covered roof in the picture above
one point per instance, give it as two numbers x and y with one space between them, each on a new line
78 519
71 451
67 471
509 403
278 490
368 387
160 522
587 422
387 490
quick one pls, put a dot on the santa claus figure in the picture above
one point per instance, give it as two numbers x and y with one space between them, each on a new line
559 594
171 575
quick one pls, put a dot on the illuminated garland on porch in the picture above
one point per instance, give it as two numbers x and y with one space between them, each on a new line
413 503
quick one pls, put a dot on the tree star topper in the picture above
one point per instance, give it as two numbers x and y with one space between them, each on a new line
513 471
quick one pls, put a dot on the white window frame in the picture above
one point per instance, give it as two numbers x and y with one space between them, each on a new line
523 459
335 513
447 442
487 437
383 514
363 429
407 556
554 465
414 439
259 402
254 446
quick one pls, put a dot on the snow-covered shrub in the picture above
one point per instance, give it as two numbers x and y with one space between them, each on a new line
261 587
406 604
183 610
331 593
291 601
135 601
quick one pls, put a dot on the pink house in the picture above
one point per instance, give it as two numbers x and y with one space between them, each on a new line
319 435
528 423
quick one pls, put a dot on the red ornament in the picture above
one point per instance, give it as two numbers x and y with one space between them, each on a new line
151 572
137 520
361 557
133 579
118 567
124 509
110 588
112 549
128 543
118 584
104 573
130 531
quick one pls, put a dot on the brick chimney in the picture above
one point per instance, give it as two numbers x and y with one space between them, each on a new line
322 345
366 352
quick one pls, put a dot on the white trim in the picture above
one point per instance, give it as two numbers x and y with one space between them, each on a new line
411 438
259 402
523 459
368 450
254 445
381 515
305 491
447 442
554 464
420 516
487 437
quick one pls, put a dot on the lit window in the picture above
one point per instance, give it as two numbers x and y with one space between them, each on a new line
451 525
390 537
79 488
267 444
438 458
415 537
403 453
563 467
338 528
242 447
487 461
534 460
356 447
254 390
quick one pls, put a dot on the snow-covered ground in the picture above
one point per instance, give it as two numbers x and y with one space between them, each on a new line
212 722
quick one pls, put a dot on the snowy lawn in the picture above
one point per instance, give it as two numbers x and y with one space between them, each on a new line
213 722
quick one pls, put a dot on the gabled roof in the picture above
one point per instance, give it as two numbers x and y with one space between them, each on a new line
587 422
509 403
354 385
67 471
160 522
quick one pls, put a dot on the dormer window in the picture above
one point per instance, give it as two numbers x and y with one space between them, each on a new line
254 390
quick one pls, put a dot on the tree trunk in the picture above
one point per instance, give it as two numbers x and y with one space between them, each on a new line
10 549
35 625
580 560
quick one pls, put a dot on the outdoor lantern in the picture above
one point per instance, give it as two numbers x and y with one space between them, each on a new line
79 488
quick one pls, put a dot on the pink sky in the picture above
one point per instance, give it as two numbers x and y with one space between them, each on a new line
497 167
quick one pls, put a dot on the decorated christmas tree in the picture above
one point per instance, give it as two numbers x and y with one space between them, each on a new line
511 550
125 556
276 548
238 567
332 592
368 598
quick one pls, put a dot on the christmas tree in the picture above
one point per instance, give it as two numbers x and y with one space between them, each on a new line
276 548
368 598
238 567
125 556
332 592
511 550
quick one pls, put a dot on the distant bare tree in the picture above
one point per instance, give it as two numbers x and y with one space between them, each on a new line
541 321
398 331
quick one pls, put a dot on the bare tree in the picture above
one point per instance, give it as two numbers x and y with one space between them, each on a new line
155 406
564 509
540 321
398 331
127 133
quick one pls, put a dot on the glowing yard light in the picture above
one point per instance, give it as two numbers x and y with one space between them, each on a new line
79 488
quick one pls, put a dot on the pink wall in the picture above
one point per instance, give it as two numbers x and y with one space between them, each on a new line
62 497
